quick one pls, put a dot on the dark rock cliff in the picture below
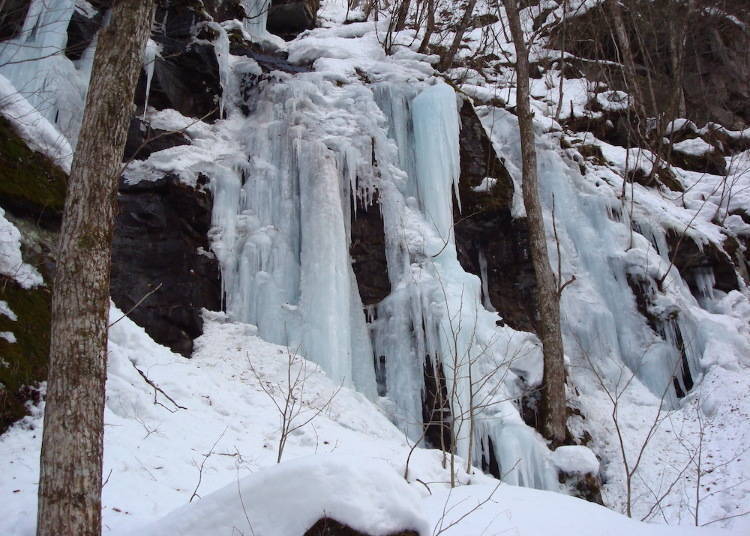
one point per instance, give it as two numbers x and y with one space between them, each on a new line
161 246
487 233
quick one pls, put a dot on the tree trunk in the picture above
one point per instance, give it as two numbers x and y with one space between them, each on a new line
553 408
430 29
71 462
447 60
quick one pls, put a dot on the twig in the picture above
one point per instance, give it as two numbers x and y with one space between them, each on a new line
156 388
138 303
203 463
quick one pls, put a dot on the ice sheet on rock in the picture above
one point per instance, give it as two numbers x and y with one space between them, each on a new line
35 63
434 320
150 53
281 222
39 133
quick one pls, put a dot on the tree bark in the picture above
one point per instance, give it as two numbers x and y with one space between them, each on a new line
71 460
553 410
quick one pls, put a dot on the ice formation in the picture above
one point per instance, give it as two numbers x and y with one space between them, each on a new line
310 150
35 63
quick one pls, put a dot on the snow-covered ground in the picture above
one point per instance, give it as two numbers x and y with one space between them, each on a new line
220 447
201 448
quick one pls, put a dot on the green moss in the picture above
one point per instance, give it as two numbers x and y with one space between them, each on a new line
32 190
30 183
25 361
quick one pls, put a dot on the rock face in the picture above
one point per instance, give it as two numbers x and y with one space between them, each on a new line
12 16
486 233
716 64
185 79
161 239
367 251
32 193
143 140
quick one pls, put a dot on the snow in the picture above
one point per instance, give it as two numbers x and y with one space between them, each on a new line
284 179
695 146
574 459
528 512
34 128
347 463
11 262
367 495
6 311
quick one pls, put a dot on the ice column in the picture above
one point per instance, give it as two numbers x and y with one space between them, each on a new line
280 233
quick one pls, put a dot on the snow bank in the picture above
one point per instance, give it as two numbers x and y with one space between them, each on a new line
289 498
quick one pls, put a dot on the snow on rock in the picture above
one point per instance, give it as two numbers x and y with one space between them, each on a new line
33 127
5 310
287 499
11 262
575 459
695 146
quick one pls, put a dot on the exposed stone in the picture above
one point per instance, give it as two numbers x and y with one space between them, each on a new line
32 192
26 358
689 257
711 162
330 527
161 239
31 185
81 32
367 251
12 18
143 140
587 486
486 227
289 18
436 411
186 80
223 10
716 65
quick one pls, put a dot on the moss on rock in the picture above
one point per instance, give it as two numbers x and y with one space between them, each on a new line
31 185
24 362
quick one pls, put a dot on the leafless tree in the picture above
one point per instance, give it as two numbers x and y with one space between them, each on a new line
289 398
71 460
554 410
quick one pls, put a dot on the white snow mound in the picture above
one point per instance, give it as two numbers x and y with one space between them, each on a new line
367 495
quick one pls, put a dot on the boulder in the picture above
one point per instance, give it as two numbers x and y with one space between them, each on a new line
289 18
330 527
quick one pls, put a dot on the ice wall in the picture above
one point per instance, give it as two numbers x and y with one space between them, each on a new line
434 316
35 63
600 317
281 223
281 234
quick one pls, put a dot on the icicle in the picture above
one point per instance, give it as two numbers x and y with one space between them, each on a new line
485 282
436 127
149 61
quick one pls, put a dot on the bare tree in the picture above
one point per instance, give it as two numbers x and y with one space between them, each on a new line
71 461
553 408
289 398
